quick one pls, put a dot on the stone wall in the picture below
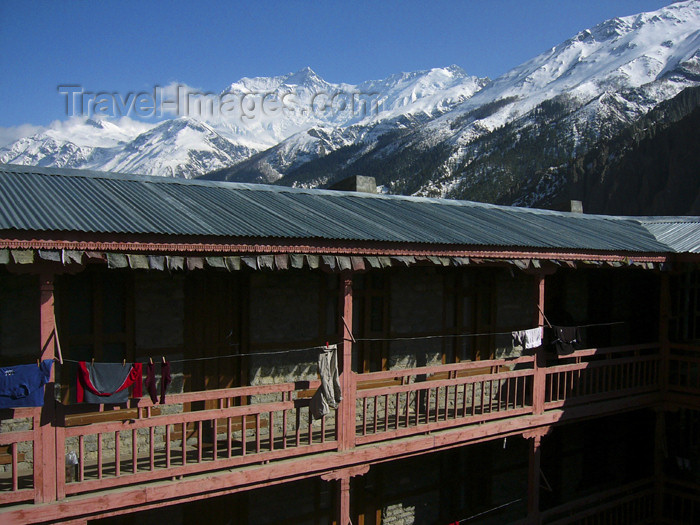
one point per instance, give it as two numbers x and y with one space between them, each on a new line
19 344
285 309
416 306
159 320
19 318
515 309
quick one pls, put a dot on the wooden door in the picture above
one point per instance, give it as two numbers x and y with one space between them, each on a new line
212 331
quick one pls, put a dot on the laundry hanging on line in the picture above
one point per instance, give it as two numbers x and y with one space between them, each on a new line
108 383
528 339
329 393
165 379
566 339
23 385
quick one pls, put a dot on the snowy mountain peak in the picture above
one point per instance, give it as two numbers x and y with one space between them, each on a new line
304 78
613 72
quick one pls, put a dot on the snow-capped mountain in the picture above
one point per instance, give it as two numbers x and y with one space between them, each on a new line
505 143
247 117
438 132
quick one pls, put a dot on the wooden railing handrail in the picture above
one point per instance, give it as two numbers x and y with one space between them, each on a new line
589 352
685 346
555 369
423 385
182 417
15 436
207 395
435 369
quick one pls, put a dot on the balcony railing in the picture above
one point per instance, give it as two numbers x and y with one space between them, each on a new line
603 373
439 397
631 503
223 429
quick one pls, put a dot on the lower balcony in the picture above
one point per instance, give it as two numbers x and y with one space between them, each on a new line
233 439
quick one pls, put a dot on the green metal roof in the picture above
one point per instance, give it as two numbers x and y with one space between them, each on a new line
52 199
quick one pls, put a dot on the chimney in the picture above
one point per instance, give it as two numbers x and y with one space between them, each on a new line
576 207
359 183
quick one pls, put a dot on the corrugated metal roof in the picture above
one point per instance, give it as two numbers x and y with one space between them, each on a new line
51 199
681 234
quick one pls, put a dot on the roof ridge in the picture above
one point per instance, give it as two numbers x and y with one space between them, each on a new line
155 179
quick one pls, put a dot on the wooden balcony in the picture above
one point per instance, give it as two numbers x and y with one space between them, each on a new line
264 434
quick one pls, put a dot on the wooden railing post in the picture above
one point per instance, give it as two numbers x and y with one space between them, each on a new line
346 412
44 433
540 376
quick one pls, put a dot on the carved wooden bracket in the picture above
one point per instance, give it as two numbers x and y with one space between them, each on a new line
537 432
348 473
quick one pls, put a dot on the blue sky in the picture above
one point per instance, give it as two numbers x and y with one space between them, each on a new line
127 46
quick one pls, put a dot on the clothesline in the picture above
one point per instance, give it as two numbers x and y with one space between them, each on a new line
369 339
271 352
463 520
481 334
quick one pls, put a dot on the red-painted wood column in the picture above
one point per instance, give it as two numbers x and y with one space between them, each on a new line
533 489
664 345
346 412
342 478
660 427
659 445
540 377
44 433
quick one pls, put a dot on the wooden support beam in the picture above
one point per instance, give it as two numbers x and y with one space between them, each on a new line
540 376
44 433
346 411
659 457
664 344
343 476
533 486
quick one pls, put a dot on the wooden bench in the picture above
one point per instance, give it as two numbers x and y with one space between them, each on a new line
6 455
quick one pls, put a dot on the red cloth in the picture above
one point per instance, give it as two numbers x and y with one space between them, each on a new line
151 382
165 379
85 383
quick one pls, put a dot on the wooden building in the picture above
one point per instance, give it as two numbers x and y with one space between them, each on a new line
444 418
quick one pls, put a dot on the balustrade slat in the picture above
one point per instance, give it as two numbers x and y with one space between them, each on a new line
184 443
15 473
257 433
215 439
243 436
99 456
199 441
117 453
167 446
284 429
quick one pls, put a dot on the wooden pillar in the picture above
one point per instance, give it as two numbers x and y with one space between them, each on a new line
664 345
346 412
659 458
342 478
540 377
44 433
533 479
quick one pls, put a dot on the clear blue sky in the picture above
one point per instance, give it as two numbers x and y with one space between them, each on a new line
127 46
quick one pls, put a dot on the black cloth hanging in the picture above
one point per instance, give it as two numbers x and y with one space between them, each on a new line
566 339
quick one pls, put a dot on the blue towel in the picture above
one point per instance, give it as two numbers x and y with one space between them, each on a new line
23 385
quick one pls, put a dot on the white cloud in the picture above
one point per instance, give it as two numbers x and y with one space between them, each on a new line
12 133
